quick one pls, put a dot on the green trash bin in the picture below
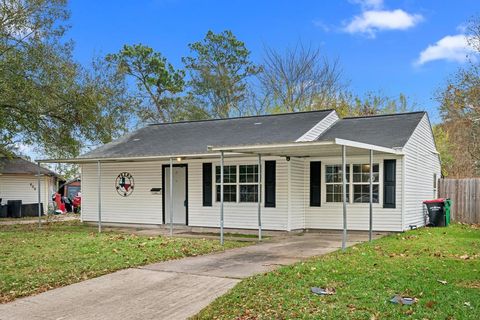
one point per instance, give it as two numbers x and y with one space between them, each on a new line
448 208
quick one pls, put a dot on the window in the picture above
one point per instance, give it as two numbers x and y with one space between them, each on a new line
361 183
246 183
358 182
333 181
229 183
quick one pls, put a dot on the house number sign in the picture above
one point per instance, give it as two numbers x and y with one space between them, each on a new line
124 184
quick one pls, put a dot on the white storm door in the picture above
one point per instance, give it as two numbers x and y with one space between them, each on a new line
179 195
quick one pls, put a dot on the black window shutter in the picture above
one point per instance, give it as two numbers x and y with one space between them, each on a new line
207 184
270 181
389 183
315 179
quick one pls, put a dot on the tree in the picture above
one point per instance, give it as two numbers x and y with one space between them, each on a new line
159 84
460 111
219 67
444 147
371 103
300 79
47 100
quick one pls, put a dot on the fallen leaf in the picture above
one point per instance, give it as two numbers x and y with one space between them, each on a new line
430 304
409 312
442 281
465 257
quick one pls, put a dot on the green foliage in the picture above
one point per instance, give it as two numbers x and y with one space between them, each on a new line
158 83
460 111
365 277
444 147
62 253
349 105
47 100
219 68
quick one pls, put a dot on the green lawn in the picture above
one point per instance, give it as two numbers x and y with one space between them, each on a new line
61 253
365 278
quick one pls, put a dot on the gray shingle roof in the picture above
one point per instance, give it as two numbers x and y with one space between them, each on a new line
21 166
389 131
193 137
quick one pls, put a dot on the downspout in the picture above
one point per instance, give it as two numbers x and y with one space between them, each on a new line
305 192
81 180
404 166
289 195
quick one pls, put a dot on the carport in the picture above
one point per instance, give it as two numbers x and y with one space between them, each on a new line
336 147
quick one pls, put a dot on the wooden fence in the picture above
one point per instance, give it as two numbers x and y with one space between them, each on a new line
465 194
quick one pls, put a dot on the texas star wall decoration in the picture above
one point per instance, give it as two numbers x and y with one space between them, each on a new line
124 184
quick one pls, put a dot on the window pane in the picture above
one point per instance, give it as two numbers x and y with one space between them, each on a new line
249 193
248 173
229 193
361 193
334 192
229 174
334 173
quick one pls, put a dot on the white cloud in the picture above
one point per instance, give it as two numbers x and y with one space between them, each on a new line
451 48
372 21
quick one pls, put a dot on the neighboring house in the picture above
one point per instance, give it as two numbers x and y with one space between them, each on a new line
301 172
18 181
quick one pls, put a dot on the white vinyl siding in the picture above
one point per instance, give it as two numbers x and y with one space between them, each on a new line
422 163
329 215
144 207
297 215
320 127
237 214
140 207
24 187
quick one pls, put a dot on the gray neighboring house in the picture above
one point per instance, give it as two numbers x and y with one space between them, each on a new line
299 182
18 181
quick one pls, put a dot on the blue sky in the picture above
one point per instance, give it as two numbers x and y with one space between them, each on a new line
387 46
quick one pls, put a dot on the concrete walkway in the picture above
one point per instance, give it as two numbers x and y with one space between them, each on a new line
174 289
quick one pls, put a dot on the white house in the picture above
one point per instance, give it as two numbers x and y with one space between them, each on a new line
299 180
19 181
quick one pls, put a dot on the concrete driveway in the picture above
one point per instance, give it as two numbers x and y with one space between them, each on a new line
174 289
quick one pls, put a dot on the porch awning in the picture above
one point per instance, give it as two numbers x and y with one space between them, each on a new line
307 149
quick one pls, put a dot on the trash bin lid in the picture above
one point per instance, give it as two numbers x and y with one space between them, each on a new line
439 200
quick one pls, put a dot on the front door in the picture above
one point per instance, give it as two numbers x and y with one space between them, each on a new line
179 195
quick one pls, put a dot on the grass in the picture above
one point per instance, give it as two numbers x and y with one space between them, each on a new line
61 253
365 277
